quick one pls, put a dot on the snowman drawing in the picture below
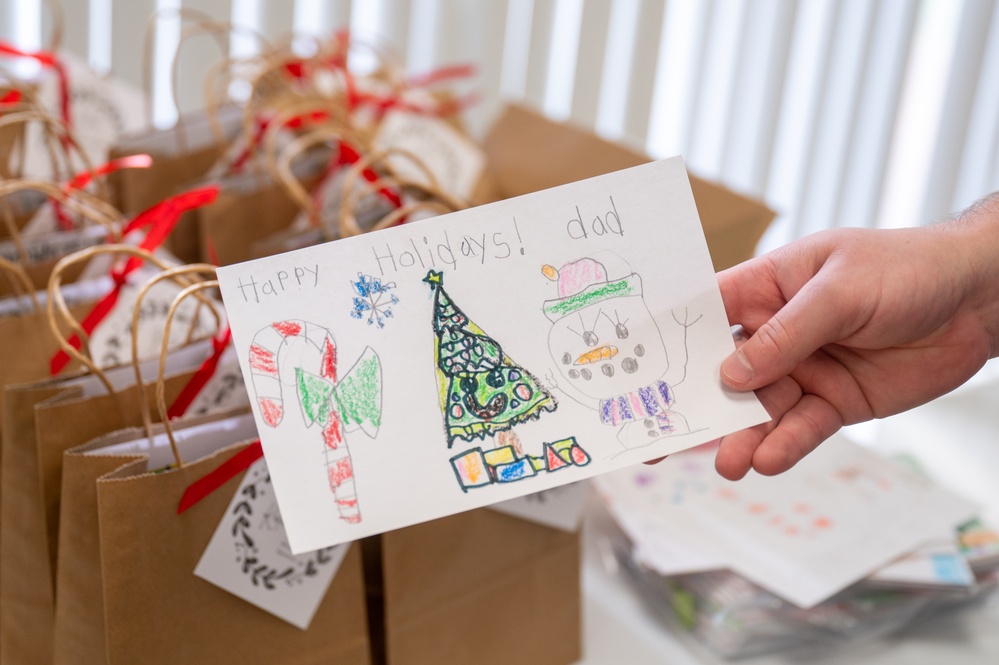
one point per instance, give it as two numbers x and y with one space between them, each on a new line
610 352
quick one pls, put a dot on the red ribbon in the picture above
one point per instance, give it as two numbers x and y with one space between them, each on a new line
201 377
225 472
161 219
440 74
51 61
82 179
380 103
11 98
347 153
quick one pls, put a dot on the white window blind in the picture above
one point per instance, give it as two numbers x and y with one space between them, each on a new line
836 112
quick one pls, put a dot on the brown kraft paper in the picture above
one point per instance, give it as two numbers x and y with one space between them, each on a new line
31 477
148 556
480 588
527 152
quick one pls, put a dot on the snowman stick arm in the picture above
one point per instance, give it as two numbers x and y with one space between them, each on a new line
685 324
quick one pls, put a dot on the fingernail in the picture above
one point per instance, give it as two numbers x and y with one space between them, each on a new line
738 371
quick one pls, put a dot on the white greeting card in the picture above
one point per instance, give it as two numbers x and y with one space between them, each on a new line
936 564
249 557
457 362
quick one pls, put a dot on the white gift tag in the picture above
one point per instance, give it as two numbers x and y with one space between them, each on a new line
225 391
455 161
558 507
101 108
44 248
111 341
249 556
43 222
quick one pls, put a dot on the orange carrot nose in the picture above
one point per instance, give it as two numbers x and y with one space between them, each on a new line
605 352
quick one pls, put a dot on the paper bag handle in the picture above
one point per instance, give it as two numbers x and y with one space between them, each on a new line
86 205
57 305
57 137
393 218
58 21
178 274
217 81
160 382
20 282
281 167
197 22
348 222
25 101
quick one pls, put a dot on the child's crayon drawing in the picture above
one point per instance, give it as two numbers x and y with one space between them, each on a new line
483 395
610 352
297 361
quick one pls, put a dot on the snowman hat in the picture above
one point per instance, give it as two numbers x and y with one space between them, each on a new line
583 283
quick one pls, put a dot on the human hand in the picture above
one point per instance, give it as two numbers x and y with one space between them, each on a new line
849 325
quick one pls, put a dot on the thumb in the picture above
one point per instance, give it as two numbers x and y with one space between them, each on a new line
809 321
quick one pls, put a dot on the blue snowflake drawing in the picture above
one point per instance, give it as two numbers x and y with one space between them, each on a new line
374 299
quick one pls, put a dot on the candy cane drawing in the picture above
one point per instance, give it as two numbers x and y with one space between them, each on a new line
300 358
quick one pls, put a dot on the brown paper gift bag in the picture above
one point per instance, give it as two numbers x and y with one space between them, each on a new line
63 416
22 96
98 222
79 608
148 556
26 330
527 152
79 615
182 156
79 635
245 214
83 408
476 588
27 340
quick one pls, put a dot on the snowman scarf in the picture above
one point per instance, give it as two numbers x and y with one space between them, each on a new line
648 402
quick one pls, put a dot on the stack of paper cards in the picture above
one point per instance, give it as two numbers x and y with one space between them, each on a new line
443 365
841 515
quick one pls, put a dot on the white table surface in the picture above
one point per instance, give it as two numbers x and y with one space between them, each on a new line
956 440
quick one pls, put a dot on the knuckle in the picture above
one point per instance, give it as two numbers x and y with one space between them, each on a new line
775 339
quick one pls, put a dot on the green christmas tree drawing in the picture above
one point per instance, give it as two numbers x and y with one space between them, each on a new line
482 391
